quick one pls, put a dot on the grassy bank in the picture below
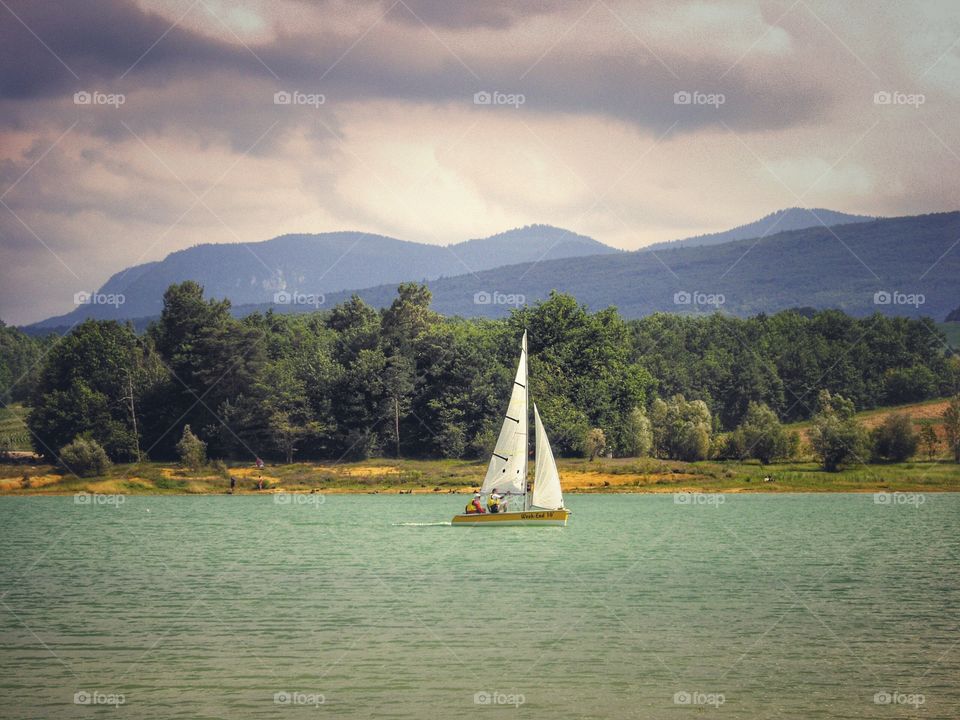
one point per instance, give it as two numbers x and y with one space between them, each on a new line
453 476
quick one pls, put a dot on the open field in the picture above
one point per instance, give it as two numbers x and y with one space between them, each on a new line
456 476
13 432
928 411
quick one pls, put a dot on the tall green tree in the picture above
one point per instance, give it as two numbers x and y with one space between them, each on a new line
82 390
213 359
580 368
929 442
638 434
20 357
951 427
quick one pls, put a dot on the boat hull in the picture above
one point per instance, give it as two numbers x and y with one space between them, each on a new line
506 519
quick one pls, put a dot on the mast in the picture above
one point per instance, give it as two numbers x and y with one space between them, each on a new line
526 423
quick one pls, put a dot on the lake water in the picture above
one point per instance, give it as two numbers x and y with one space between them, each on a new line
751 606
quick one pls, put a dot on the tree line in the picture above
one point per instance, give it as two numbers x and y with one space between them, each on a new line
354 381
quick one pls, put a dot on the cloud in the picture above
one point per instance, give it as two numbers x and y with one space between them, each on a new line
604 141
117 47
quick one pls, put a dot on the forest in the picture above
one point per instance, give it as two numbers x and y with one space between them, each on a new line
353 382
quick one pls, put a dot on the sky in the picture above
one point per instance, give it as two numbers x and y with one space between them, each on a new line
130 129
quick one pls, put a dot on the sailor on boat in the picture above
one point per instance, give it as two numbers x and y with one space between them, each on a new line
474 506
493 502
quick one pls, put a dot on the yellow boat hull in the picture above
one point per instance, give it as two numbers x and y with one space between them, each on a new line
525 517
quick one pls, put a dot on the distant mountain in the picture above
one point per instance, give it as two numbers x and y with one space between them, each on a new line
778 222
254 273
896 266
532 243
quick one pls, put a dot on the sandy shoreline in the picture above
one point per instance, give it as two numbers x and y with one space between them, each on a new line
443 477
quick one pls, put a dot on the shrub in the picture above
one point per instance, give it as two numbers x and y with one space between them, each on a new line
895 439
84 457
837 437
723 446
929 441
594 443
681 428
191 449
761 435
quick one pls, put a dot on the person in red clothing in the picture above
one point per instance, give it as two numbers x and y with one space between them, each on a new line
474 506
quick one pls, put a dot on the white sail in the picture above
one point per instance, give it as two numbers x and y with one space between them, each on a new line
546 479
507 471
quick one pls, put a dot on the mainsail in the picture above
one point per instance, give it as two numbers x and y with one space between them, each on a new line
507 471
546 479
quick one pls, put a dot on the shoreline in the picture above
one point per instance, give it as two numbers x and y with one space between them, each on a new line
772 489
613 491
634 476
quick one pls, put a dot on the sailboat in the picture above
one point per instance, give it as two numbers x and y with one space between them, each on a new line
507 472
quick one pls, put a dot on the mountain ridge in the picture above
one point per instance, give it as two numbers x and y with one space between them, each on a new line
793 218
635 281
254 273
812 267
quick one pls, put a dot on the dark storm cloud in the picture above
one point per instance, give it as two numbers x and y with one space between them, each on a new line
93 41
115 43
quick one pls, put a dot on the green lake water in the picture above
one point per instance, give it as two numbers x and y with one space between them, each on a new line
759 606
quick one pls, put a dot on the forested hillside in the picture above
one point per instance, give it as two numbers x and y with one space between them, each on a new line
339 383
897 266
20 357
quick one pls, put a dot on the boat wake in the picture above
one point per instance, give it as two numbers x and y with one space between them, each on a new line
422 524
